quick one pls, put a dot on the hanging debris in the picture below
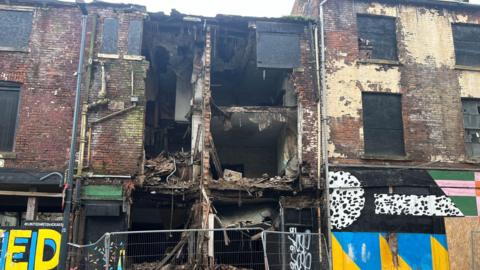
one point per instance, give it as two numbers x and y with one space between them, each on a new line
166 167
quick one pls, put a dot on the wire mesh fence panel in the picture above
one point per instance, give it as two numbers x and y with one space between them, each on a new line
242 249
294 250
87 257
150 250
174 249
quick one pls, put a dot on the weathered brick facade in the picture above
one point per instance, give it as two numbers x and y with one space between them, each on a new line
426 76
47 74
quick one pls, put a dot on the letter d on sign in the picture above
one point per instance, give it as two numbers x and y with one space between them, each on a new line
50 238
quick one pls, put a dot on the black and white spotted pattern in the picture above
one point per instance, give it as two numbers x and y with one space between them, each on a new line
346 199
414 205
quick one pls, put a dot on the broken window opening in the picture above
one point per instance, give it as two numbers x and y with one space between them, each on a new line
236 78
256 143
377 37
471 120
9 102
383 124
467 43
171 49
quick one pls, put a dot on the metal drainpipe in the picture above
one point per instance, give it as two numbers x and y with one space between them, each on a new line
323 119
71 164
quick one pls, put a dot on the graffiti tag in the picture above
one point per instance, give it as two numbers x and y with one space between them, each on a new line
300 256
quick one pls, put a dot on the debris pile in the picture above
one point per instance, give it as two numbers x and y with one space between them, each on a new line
167 167
280 183
158 266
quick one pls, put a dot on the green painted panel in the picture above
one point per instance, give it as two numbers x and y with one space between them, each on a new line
468 205
452 175
102 192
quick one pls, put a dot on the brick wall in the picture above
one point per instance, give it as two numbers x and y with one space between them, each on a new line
426 77
47 74
117 143
305 86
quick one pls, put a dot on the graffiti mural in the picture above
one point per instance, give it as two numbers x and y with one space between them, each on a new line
394 218
414 205
346 199
463 187
402 251
30 248
414 200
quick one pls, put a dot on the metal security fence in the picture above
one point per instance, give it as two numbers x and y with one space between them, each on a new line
294 250
238 248
87 257
222 249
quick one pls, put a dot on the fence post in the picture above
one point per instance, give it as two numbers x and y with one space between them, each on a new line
107 251
264 244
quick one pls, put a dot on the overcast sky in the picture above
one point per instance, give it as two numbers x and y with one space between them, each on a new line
257 8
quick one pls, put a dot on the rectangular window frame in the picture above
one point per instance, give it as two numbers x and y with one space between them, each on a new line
25 47
457 49
385 60
468 129
132 37
103 51
368 151
17 87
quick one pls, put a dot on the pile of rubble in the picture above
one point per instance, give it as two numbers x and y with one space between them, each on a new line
166 167
158 266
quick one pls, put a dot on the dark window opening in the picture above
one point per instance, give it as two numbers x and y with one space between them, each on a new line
278 44
377 37
170 49
467 44
135 37
110 36
9 99
382 124
237 79
16 27
257 144
471 120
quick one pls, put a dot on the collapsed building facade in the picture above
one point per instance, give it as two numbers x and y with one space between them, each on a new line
184 123
230 126
402 98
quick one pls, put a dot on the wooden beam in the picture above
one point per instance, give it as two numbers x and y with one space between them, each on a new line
32 207
216 159
30 194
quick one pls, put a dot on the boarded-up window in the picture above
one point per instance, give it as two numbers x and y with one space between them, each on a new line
110 36
9 96
135 37
278 44
467 44
15 29
377 37
382 124
471 119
